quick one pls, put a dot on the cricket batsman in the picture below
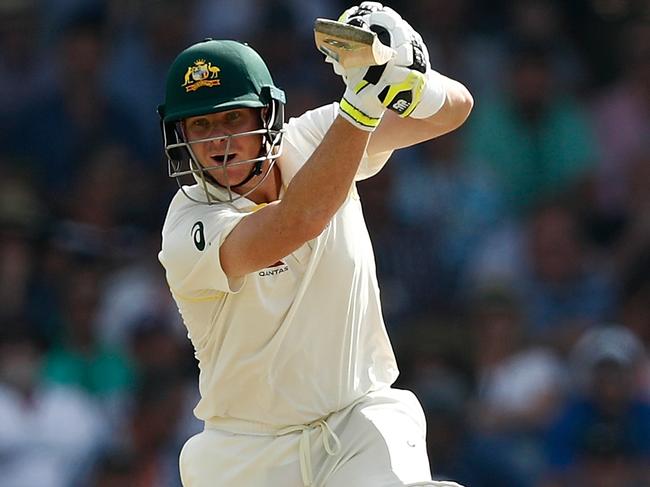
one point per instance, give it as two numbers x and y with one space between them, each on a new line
268 257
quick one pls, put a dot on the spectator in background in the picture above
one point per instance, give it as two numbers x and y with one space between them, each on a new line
456 452
534 138
544 22
156 347
25 67
22 217
114 468
563 285
453 203
97 194
232 19
57 131
310 71
64 246
459 44
634 308
405 262
134 287
112 197
437 366
622 122
633 243
158 350
242 19
598 28
146 38
131 293
80 359
49 433
602 436
635 297
566 289
149 434
520 383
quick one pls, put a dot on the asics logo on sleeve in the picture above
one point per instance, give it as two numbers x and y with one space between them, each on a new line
198 235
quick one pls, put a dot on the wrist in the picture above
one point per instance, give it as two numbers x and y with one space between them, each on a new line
363 113
433 96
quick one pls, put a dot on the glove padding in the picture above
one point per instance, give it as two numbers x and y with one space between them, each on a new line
398 84
366 97
392 30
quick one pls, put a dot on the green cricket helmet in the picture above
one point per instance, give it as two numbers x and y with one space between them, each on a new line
214 76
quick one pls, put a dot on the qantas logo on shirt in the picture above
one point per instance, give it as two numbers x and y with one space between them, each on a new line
278 268
198 236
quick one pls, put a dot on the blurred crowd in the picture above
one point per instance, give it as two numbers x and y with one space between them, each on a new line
513 255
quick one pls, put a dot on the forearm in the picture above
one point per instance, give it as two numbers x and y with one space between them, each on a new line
320 187
315 193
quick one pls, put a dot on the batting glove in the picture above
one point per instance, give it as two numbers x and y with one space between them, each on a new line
360 104
411 87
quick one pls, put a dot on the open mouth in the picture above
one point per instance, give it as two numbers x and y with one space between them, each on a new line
221 159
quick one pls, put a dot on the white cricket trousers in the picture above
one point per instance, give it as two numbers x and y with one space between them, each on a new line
379 441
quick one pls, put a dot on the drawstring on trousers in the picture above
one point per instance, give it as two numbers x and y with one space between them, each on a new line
326 434
331 442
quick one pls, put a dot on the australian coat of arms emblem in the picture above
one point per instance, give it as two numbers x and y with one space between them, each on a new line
200 74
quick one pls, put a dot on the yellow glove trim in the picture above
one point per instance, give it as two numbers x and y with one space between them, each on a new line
345 14
357 115
414 83
360 86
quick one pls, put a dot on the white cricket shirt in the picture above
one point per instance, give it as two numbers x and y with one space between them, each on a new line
293 342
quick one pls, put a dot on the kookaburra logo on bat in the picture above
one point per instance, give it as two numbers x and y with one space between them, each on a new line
201 73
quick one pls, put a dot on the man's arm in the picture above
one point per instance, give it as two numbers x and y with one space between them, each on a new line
423 103
314 195
395 132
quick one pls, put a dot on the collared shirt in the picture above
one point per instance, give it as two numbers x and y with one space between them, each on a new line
290 343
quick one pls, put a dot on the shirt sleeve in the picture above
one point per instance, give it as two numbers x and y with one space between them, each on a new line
371 165
190 250
308 131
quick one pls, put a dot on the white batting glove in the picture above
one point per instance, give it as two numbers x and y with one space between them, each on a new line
366 97
360 104
414 89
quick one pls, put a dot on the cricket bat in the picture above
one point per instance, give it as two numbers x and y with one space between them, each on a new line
350 46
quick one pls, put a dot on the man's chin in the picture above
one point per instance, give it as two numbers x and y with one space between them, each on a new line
233 177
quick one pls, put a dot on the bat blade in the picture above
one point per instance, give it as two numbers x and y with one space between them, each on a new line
349 45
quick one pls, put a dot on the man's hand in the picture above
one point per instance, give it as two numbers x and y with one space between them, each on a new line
397 85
